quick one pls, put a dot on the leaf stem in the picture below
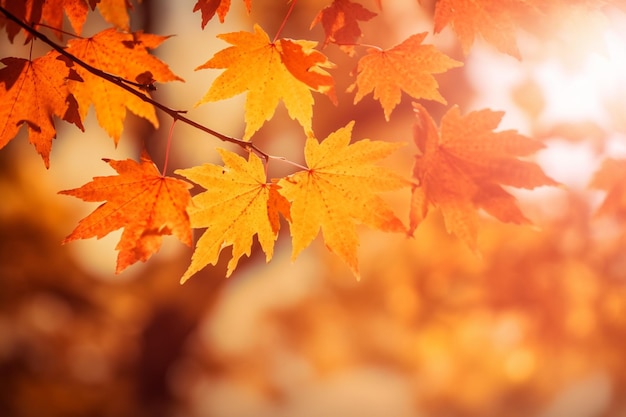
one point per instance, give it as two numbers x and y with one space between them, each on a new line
73 35
128 86
167 150
282 25
363 45
287 161
30 51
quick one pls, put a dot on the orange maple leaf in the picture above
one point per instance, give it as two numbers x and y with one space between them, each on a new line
145 203
461 169
495 20
76 11
270 71
208 8
407 67
50 11
236 205
340 21
611 177
340 188
26 10
124 55
31 92
116 12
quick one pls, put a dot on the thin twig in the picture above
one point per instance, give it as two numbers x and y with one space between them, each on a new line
73 35
128 86
282 25
287 161
167 150
362 45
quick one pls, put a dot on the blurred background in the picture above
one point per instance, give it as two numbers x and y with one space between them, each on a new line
532 328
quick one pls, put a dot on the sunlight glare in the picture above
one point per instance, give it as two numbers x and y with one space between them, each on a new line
578 95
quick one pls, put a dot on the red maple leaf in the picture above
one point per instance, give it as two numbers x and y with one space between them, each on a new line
208 9
462 168
340 21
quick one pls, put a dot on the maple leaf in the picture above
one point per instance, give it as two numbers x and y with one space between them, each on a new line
498 21
407 67
495 21
124 55
340 21
31 93
236 205
208 8
50 11
76 11
145 203
611 177
26 11
270 71
340 188
116 12
461 169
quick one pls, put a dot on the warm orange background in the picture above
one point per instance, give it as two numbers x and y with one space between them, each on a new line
533 328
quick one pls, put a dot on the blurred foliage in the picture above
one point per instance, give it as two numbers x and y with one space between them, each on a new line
532 327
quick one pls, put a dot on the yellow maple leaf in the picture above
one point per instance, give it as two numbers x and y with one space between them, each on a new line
269 71
340 188
237 204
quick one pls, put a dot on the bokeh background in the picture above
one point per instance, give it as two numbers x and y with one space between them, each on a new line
534 327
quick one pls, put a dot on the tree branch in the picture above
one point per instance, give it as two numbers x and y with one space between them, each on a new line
128 86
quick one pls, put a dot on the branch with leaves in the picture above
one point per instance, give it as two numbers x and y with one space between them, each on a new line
459 166
144 80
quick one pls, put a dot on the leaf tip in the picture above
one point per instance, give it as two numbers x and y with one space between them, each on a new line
185 278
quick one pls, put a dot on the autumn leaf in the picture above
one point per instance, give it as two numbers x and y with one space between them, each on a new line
76 11
340 21
208 8
48 11
142 201
125 55
495 21
31 93
116 12
462 169
237 204
339 189
406 67
27 11
269 71
611 177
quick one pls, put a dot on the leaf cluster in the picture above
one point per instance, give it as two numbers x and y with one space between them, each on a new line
460 166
